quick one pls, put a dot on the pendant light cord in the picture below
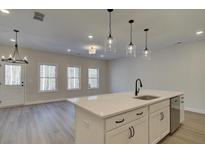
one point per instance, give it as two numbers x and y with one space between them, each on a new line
131 33
146 40
110 32
16 52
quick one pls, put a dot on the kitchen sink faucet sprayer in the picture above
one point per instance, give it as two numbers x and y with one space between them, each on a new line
137 90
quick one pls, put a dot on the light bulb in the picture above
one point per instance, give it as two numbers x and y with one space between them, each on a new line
25 58
110 40
130 47
2 57
146 54
110 44
10 56
131 50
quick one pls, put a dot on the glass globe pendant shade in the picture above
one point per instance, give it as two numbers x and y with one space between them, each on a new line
110 44
146 54
131 50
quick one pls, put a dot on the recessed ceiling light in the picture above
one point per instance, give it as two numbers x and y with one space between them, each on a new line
199 32
5 11
90 36
12 40
68 50
102 56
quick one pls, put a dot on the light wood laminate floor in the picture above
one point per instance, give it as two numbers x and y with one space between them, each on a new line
54 123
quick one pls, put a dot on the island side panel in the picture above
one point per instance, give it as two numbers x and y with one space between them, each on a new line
89 128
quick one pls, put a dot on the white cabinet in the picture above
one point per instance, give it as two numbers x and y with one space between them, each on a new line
159 123
181 108
164 122
135 132
148 124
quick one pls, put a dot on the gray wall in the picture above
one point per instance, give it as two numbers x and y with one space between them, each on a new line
179 68
62 60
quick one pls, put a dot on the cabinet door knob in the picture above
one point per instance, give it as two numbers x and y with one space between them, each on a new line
120 121
130 133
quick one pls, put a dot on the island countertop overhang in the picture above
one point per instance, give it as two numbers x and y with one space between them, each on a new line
108 105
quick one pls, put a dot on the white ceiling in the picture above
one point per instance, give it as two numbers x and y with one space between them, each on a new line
63 29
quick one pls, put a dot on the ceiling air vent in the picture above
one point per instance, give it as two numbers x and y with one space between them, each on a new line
38 16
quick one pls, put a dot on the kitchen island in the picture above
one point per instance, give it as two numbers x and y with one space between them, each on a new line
123 117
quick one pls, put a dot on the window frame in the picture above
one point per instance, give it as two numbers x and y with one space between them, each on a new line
39 78
98 83
67 77
4 74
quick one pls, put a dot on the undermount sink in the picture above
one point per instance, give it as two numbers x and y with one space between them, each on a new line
146 97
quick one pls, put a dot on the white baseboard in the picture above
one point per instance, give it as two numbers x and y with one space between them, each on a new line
195 110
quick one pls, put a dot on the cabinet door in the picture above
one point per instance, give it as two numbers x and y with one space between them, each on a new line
118 136
164 122
140 131
133 133
154 127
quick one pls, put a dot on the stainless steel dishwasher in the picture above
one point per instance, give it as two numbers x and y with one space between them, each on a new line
174 114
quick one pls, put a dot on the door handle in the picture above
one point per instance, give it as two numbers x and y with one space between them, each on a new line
162 116
133 131
130 133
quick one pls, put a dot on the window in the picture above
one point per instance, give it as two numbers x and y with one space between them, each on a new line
12 75
48 77
73 75
93 78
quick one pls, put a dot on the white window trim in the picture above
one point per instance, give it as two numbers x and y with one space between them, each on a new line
98 78
47 91
4 72
79 79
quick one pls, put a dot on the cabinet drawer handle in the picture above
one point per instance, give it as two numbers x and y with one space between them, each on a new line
120 121
182 101
139 113
162 116
133 131
130 133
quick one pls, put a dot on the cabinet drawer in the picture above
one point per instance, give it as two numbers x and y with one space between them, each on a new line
124 118
158 106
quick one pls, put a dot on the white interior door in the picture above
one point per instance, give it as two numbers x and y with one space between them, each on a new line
12 89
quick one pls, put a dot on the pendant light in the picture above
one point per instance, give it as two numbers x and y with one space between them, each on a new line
92 50
15 57
131 48
146 51
110 42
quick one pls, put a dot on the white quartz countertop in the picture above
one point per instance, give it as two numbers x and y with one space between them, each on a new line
112 104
